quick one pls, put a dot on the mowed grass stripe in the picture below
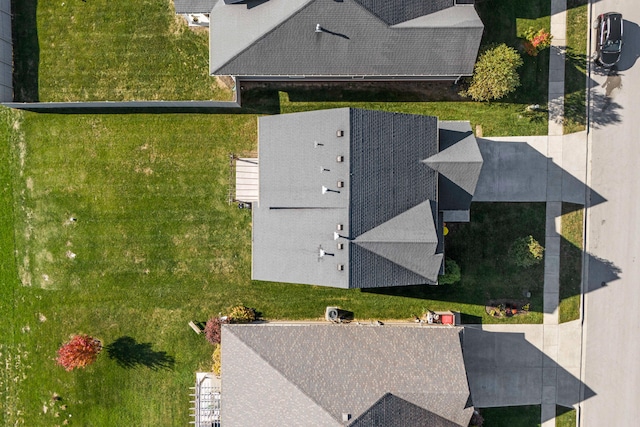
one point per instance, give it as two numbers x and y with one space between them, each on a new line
100 50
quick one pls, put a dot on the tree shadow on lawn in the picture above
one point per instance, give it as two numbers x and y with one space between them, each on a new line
130 354
26 50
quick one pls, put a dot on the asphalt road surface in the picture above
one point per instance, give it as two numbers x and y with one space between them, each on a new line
611 340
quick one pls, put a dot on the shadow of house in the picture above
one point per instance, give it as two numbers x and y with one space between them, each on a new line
26 50
517 171
128 353
507 369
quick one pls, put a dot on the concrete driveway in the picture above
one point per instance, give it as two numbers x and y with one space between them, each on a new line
506 364
533 169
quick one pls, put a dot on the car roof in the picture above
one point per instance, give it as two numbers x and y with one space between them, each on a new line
615 25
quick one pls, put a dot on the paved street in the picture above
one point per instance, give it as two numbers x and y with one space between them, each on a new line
611 345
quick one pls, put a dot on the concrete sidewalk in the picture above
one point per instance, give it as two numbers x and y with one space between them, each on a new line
534 364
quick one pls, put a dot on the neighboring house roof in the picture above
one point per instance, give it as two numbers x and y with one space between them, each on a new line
194 6
380 202
360 38
312 374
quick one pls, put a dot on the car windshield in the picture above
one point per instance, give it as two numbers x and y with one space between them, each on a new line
611 46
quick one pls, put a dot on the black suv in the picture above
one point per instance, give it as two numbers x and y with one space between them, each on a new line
609 42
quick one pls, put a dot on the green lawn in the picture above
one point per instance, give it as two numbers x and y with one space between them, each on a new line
10 354
506 21
565 417
571 261
480 247
496 119
575 109
100 50
512 416
155 245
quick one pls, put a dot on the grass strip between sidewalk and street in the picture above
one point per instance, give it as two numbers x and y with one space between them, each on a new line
571 245
575 73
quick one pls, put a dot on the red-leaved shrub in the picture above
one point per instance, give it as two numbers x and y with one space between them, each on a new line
213 330
80 351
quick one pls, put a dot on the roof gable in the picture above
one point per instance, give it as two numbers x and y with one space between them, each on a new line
459 159
238 26
409 239
416 225
392 411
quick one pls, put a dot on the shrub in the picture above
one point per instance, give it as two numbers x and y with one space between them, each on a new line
451 273
216 357
495 74
526 251
537 41
242 314
213 330
79 352
476 419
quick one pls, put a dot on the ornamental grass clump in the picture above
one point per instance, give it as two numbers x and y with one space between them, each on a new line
216 358
242 314
79 352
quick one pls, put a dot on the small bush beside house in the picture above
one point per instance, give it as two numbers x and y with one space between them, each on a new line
213 329
242 314
451 273
237 314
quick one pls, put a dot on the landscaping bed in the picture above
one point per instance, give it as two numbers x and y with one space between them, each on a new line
505 309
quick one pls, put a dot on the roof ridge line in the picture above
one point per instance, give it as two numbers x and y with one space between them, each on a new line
267 32
297 387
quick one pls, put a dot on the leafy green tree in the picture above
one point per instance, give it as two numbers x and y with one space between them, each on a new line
495 74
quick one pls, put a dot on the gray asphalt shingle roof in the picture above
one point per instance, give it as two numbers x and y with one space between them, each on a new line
311 374
362 38
386 209
397 11
459 163
194 6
